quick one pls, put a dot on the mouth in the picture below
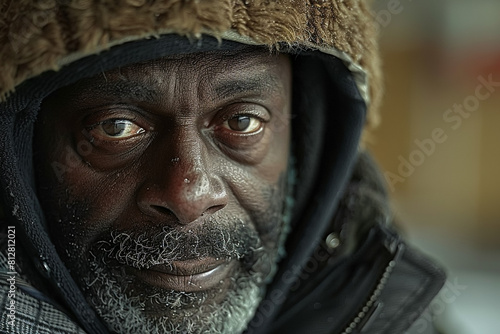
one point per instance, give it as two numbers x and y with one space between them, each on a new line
189 275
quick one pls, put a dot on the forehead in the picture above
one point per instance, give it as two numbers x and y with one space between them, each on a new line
202 65
207 75
221 72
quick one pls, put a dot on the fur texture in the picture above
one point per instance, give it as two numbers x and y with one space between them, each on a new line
41 35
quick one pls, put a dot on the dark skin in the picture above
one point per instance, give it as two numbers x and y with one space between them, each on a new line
197 145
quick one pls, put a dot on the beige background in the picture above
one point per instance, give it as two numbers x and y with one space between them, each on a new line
433 53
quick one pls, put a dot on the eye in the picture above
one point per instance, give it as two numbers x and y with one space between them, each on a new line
116 129
243 124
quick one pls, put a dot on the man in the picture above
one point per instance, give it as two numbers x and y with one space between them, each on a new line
195 167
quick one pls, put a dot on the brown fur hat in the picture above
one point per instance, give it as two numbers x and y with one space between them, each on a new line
41 35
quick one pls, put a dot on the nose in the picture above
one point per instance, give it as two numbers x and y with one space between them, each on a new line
183 188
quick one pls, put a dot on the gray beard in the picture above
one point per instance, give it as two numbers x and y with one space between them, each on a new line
131 306
124 313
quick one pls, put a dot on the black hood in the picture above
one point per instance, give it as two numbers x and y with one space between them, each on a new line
328 119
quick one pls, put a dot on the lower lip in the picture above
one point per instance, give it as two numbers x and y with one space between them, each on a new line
188 283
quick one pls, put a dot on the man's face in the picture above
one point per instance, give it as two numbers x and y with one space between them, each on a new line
163 184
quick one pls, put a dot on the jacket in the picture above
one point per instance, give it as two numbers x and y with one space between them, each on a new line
346 270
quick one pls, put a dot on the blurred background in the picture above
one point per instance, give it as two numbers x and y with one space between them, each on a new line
438 145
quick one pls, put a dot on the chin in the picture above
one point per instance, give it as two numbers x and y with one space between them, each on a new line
130 306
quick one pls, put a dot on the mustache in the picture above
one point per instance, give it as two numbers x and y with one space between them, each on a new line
144 248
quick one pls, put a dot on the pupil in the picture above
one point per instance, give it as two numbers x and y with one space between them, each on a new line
240 123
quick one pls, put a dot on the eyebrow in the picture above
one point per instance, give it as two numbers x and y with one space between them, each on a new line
123 90
258 84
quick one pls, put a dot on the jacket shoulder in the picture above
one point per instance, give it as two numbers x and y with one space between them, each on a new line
370 281
24 309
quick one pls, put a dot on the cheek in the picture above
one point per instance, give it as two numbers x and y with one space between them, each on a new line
105 195
276 160
77 200
260 189
262 202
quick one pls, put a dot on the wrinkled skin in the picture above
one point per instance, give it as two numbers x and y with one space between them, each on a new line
163 185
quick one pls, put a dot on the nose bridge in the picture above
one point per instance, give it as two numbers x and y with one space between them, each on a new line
189 158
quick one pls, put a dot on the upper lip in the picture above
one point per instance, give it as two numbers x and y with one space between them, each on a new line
188 267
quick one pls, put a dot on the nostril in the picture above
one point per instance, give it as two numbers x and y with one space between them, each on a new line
213 209
162 210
